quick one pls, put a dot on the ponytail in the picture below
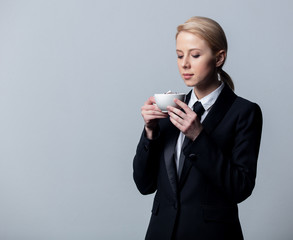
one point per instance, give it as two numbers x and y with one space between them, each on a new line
226 78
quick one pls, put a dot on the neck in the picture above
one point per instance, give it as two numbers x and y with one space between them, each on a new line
205 89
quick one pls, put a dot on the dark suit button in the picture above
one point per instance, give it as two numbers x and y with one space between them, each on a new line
192 156
146 147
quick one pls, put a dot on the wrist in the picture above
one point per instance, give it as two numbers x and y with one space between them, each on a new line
197 133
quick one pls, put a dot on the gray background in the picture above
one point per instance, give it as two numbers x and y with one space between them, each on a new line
73 76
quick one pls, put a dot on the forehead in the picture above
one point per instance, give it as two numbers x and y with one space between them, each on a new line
187 40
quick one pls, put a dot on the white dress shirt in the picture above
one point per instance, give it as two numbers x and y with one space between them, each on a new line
207 103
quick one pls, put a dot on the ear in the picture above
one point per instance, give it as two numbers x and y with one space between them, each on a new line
220 58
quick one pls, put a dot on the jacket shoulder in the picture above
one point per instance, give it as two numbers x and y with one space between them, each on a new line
247 110
246 105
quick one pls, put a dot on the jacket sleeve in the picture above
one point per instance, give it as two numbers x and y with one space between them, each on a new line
232 173
146 163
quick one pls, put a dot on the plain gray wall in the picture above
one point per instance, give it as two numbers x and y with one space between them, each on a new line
73 76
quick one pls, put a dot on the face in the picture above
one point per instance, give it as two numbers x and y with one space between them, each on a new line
196 62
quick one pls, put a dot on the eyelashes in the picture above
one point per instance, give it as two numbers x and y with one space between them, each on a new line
194 56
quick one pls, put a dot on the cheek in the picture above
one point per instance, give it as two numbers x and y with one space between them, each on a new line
206 67
179 66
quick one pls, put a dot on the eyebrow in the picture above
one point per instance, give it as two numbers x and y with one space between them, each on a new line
178 50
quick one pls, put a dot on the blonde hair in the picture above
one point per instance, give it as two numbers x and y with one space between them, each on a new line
213 34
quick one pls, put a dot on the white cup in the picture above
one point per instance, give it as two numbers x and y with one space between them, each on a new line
163 100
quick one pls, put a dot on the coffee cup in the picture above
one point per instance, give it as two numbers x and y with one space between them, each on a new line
167 99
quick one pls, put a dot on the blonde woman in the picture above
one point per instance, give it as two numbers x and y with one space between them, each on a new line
201 159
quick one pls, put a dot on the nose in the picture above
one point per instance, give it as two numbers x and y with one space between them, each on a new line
185 63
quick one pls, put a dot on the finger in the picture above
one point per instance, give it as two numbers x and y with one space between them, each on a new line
153 117
151 107
183 105
148 107
176 118
151 100
150 118
176 111
153 113
176 124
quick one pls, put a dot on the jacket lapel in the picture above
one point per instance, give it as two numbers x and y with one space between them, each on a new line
216 114
219 109
169 149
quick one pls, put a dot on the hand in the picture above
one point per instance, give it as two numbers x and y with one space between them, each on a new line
188 123
151 113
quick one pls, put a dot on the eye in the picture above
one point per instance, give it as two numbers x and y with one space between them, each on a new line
195 56
180 56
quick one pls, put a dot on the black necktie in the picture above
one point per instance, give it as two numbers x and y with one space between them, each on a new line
199 110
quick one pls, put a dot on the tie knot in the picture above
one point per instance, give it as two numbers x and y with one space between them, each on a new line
198 109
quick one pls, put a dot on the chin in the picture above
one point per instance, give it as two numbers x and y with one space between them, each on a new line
190 84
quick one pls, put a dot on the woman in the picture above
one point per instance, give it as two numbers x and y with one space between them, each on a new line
200 163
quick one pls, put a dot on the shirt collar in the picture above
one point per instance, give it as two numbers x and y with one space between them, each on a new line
207 101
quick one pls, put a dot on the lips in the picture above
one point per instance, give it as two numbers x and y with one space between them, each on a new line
187 75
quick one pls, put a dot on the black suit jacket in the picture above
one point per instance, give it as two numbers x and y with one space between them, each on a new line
219 172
